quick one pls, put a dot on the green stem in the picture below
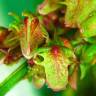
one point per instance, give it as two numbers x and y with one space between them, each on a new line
12 79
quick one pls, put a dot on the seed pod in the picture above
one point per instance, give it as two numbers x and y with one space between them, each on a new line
12 40
38 82
48 6
3 33
77 12
88 27
56 61
8 38
32 35
80 16
37 73
13 55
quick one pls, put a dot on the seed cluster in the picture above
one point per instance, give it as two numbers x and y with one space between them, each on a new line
57 41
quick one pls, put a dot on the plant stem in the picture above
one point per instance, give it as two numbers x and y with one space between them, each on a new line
12 79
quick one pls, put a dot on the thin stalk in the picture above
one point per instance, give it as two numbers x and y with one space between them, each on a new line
12 79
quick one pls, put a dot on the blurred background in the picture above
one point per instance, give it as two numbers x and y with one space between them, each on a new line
16 6
86 87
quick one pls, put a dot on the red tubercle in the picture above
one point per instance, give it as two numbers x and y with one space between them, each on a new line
66 42
55 50
31 62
